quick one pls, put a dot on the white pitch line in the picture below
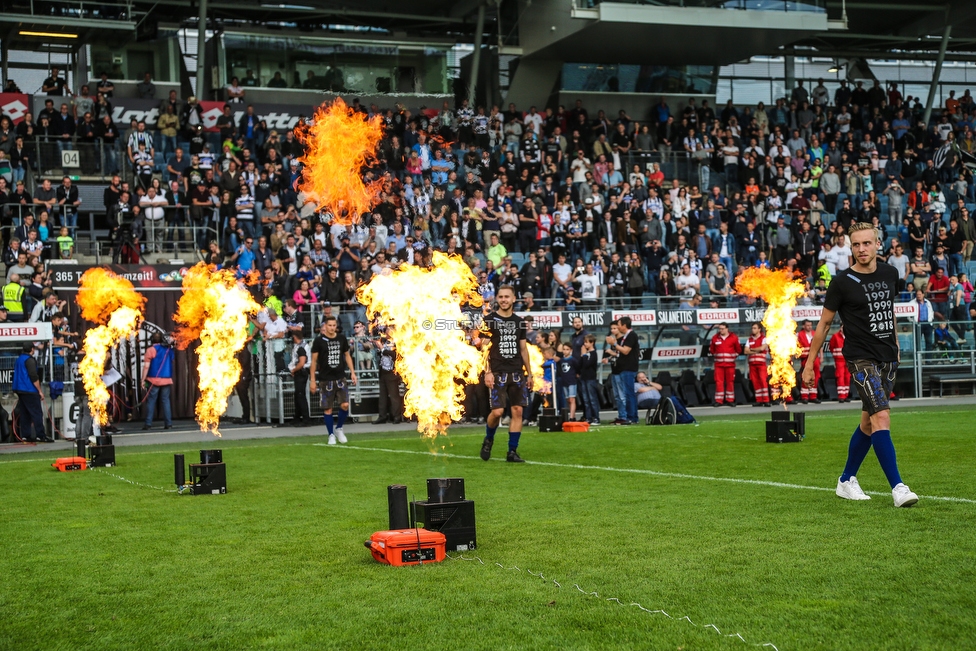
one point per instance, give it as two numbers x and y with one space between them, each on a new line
640 471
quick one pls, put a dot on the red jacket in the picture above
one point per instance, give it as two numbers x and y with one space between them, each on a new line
725 350
758 358
837 346
805 339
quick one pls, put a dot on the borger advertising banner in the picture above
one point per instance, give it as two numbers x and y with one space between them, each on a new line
40 331
15 106
676 352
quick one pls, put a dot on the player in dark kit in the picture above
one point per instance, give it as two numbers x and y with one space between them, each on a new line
330 356
509 373
864 294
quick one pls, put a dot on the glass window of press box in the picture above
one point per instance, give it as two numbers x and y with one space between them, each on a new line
340 66
131 61
633 78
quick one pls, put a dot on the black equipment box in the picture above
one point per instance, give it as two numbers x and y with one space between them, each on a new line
445 490
550 421
780 429
101 456
453 519
208 478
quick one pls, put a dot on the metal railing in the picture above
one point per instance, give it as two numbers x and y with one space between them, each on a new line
816 6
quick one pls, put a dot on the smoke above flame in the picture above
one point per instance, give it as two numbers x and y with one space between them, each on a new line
112 303
421 308
214 308
780 290
339 143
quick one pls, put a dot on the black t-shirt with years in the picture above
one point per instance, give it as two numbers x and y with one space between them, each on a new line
630 361
506 334
330 357
866 303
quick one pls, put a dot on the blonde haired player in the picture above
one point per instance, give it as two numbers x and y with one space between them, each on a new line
864 295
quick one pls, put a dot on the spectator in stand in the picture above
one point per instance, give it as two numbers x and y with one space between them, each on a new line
146 89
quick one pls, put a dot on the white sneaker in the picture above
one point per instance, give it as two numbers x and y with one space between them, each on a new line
903 495
850 490
340 435
332 440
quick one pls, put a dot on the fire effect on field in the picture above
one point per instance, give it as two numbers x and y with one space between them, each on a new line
112 303
340 142
537 360
780 290
214 308
421 308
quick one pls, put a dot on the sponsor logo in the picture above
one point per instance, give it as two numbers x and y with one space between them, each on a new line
544 319
638 318
23 331
677 352
709 316
675 317
15 110
591 319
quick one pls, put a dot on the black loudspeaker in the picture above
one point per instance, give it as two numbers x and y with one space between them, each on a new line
396 496
445 490
453 519
101 456
180 470
208 478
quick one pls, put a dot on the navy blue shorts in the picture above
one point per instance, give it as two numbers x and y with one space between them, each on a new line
332 391
511 389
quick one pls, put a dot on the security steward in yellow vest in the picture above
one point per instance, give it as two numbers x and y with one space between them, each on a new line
13 298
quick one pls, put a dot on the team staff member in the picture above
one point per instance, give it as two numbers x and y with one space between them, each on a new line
841 374
27 386
298 367
157 371
627 347
804 339
756 349
864 295
13 298
509 372
724 348
329 351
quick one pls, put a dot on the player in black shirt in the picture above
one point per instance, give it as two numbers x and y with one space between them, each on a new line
864 295
330 356
509 372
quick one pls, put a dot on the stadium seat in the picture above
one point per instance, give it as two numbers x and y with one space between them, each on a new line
743 392
667 384
708 385
689 389
518 258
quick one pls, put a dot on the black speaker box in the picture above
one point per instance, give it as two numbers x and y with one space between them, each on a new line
453 519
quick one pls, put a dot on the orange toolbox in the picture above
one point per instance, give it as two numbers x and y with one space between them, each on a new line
64 464
407 546
575 426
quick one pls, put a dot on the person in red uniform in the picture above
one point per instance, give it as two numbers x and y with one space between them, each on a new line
724 348
804 338
756 349
841 373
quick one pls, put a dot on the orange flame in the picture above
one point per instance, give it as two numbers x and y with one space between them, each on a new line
537 360
422 309
340 143
780 290
111 302
214 308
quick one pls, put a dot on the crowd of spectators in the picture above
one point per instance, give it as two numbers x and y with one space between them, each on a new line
570 206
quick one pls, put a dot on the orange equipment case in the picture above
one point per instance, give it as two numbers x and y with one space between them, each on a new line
64 464
407 546
574 426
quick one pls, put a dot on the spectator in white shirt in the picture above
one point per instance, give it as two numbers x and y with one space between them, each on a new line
688 284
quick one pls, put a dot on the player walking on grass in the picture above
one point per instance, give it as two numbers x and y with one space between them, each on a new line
509 372
864 294
330 356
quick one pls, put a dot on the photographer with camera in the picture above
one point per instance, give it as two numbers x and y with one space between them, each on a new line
157 376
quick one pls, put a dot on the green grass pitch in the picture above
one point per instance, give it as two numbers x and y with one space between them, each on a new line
92 562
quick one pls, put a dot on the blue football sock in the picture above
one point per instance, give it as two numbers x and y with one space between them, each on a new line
513 439
490 432
859 447
885 449
328 422
342 417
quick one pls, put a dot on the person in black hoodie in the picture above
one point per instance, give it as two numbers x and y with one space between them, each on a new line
589 388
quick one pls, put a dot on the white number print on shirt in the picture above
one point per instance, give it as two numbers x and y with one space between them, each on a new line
880 307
